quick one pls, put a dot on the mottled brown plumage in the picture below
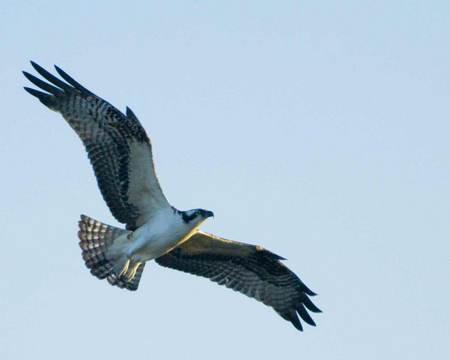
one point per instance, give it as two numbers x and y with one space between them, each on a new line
251 270
121 155
112 140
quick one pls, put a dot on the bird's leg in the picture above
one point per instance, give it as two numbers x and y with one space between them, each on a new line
132 273
125 269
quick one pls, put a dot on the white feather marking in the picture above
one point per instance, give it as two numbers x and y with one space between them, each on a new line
144 190
163 232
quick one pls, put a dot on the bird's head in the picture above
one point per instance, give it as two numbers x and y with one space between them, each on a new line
195 216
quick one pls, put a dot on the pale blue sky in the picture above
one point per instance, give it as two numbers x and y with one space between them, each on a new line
317 129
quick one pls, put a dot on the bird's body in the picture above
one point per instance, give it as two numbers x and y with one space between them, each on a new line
154 238
121 155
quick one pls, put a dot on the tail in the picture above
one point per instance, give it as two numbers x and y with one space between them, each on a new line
95 240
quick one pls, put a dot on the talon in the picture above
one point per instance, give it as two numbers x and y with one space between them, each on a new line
133 271
125 269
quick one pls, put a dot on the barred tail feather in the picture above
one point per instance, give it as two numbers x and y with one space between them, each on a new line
95 240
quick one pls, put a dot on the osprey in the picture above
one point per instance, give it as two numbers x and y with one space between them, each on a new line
121 155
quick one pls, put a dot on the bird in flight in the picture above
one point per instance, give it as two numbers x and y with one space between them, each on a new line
121 155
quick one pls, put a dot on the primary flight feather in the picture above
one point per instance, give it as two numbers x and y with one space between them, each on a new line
121 155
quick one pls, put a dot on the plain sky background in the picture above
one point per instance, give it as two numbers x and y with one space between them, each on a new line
319 129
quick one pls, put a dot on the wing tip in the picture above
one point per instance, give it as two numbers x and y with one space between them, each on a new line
293 318
72 81
43 97
60 71
36 66
310 306
304 315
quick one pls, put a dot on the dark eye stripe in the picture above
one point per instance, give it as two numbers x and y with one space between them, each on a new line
188 218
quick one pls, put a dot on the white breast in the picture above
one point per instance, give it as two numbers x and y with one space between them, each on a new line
158 236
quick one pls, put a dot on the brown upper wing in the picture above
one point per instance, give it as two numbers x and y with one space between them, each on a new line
249 269
117 145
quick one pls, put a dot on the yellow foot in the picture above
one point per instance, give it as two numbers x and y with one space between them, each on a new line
132 273
125 269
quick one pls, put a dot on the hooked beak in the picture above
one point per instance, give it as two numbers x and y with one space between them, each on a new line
209 214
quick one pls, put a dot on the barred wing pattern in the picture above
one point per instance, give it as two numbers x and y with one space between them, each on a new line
251 270
117 145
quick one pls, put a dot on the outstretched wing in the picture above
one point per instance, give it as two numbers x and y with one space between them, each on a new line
117 145
249 269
